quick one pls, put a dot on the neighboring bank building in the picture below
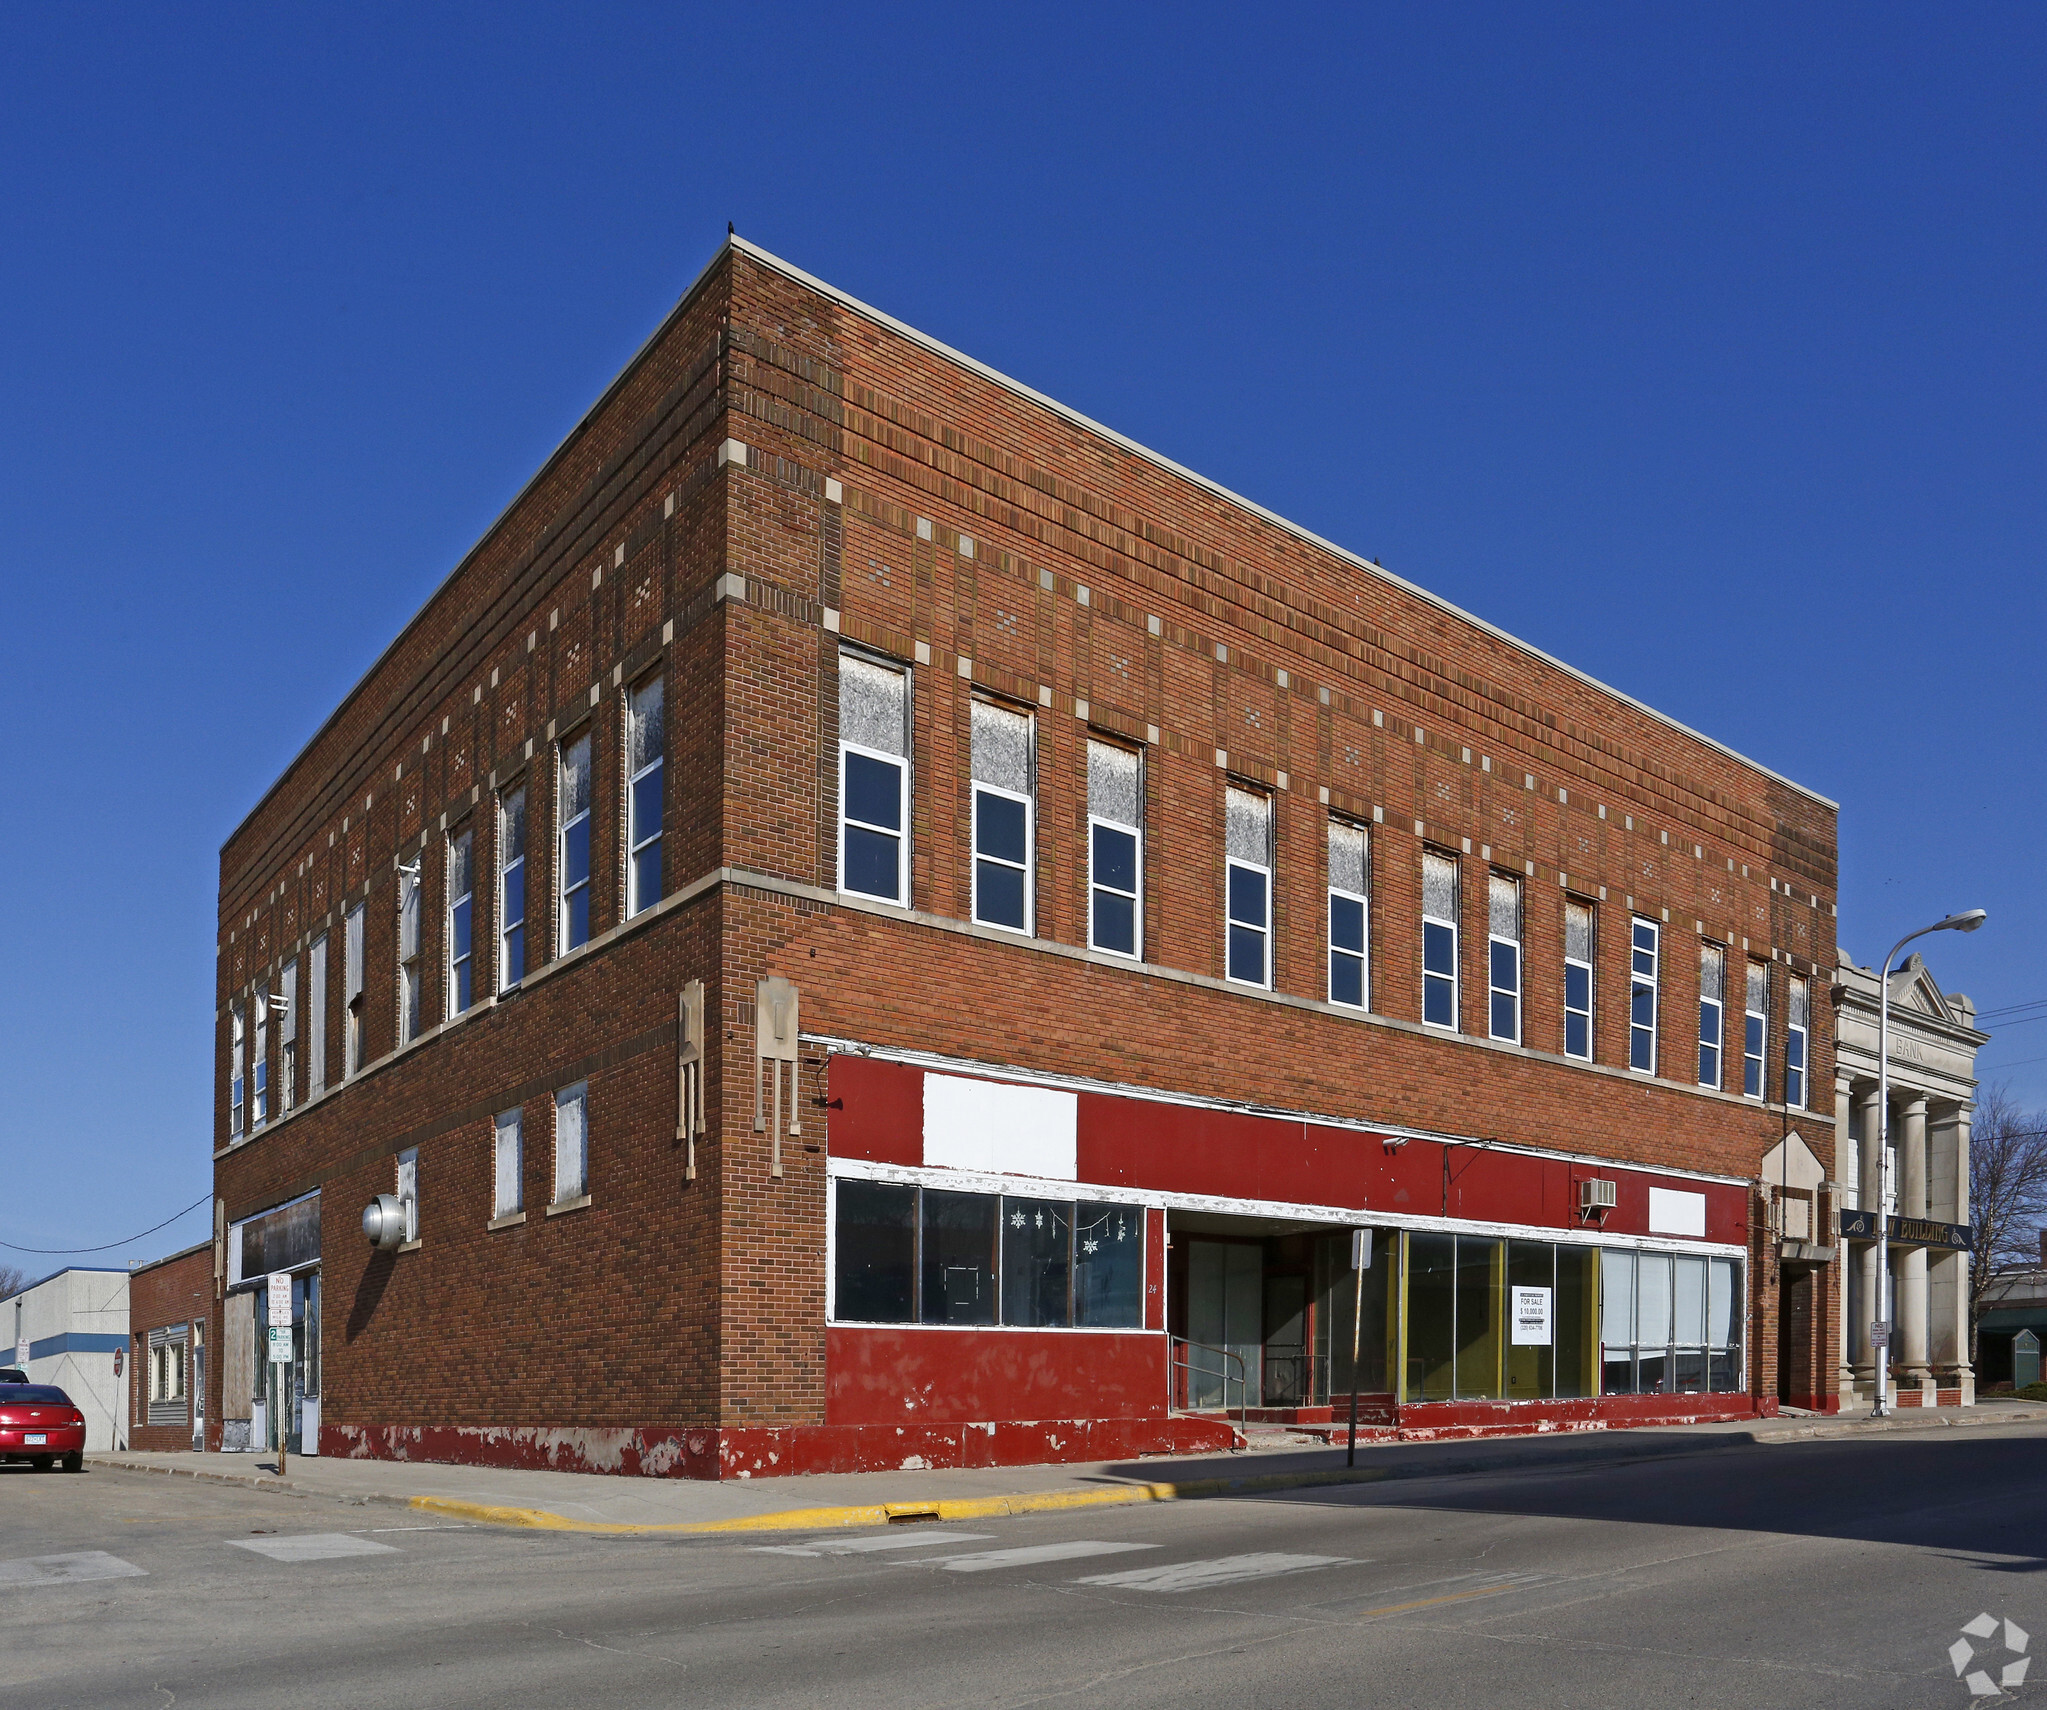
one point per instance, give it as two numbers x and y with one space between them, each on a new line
169 1304
873 922
71 1329
1932 1088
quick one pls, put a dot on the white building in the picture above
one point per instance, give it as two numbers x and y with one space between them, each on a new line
1932 1091
71 1330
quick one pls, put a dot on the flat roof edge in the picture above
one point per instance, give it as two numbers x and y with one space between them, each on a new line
939 348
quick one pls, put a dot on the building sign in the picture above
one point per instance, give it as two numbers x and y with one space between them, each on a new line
1531 1317
1908 1231
281 1239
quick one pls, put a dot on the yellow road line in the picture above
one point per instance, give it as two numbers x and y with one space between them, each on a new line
1429 1602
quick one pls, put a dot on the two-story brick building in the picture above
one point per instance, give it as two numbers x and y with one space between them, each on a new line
872 920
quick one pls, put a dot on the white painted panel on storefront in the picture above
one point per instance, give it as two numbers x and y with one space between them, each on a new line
1004 1129
1675 1213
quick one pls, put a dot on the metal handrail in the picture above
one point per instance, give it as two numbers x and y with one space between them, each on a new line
1180 1363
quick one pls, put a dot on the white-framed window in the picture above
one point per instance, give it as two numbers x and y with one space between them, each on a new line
166 1370
1115 824
572 1143
461 929
1643 973
1440 977
237 1068
646 745
408 950
511 888
1578 928
1755 1030
408 1190
1004 832
288 1036
572 842
1503 957
259 1062
1712 1012
352 990
1350 915
316 1017
1797 1030
1247 902
508 1164
874 779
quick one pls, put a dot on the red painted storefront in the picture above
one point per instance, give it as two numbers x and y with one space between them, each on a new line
1002 1395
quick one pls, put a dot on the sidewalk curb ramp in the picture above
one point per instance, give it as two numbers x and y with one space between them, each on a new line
1600 1450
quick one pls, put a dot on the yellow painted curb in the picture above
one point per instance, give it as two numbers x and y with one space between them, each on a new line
886 1513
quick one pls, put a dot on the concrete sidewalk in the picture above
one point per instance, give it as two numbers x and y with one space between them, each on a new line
593 1502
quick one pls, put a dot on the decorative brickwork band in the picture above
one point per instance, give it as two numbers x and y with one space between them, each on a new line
774 1043
689 1073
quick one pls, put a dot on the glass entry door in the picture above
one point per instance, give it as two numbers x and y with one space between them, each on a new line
1225 1322
291 1392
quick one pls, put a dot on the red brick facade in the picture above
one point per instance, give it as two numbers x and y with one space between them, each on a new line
780 473
169 1303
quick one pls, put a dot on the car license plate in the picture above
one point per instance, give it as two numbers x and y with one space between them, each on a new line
35 1437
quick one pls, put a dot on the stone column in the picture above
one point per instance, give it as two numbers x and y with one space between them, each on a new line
1869 1151
1847 1176
1912 1156
1914 1369
1948 1272
1847 1168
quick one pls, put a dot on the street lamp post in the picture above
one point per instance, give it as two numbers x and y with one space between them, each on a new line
1967 921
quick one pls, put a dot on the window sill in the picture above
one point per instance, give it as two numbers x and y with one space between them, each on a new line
411 1246
510 1220
562 1206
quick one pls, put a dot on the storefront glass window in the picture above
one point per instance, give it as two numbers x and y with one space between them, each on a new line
1431 1317
1336 1295
958 1234
909 1255
1531 1367
1617 1322
1575 1339
875 1253
1108 1266
1478 1318
1669 1324
1037 1261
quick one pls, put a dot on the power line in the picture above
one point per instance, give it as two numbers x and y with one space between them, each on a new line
66 1252
2010 1009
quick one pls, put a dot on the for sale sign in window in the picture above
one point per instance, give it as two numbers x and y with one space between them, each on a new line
1532 1317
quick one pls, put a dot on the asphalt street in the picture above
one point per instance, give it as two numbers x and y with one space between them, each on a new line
1833 1572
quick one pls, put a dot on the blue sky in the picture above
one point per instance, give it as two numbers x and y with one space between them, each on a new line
1705 351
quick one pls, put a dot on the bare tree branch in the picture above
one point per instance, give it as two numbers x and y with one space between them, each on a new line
13 1279
2007 1192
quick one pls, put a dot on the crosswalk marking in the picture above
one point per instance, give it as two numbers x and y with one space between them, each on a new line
909 1539
314 1547
71 1569
984 1560
1222 1570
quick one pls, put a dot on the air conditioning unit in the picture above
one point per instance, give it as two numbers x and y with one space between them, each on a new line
1594 1196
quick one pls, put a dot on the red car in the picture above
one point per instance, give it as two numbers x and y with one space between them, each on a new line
39 1424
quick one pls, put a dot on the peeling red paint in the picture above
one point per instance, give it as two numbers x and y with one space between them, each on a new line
747 1452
